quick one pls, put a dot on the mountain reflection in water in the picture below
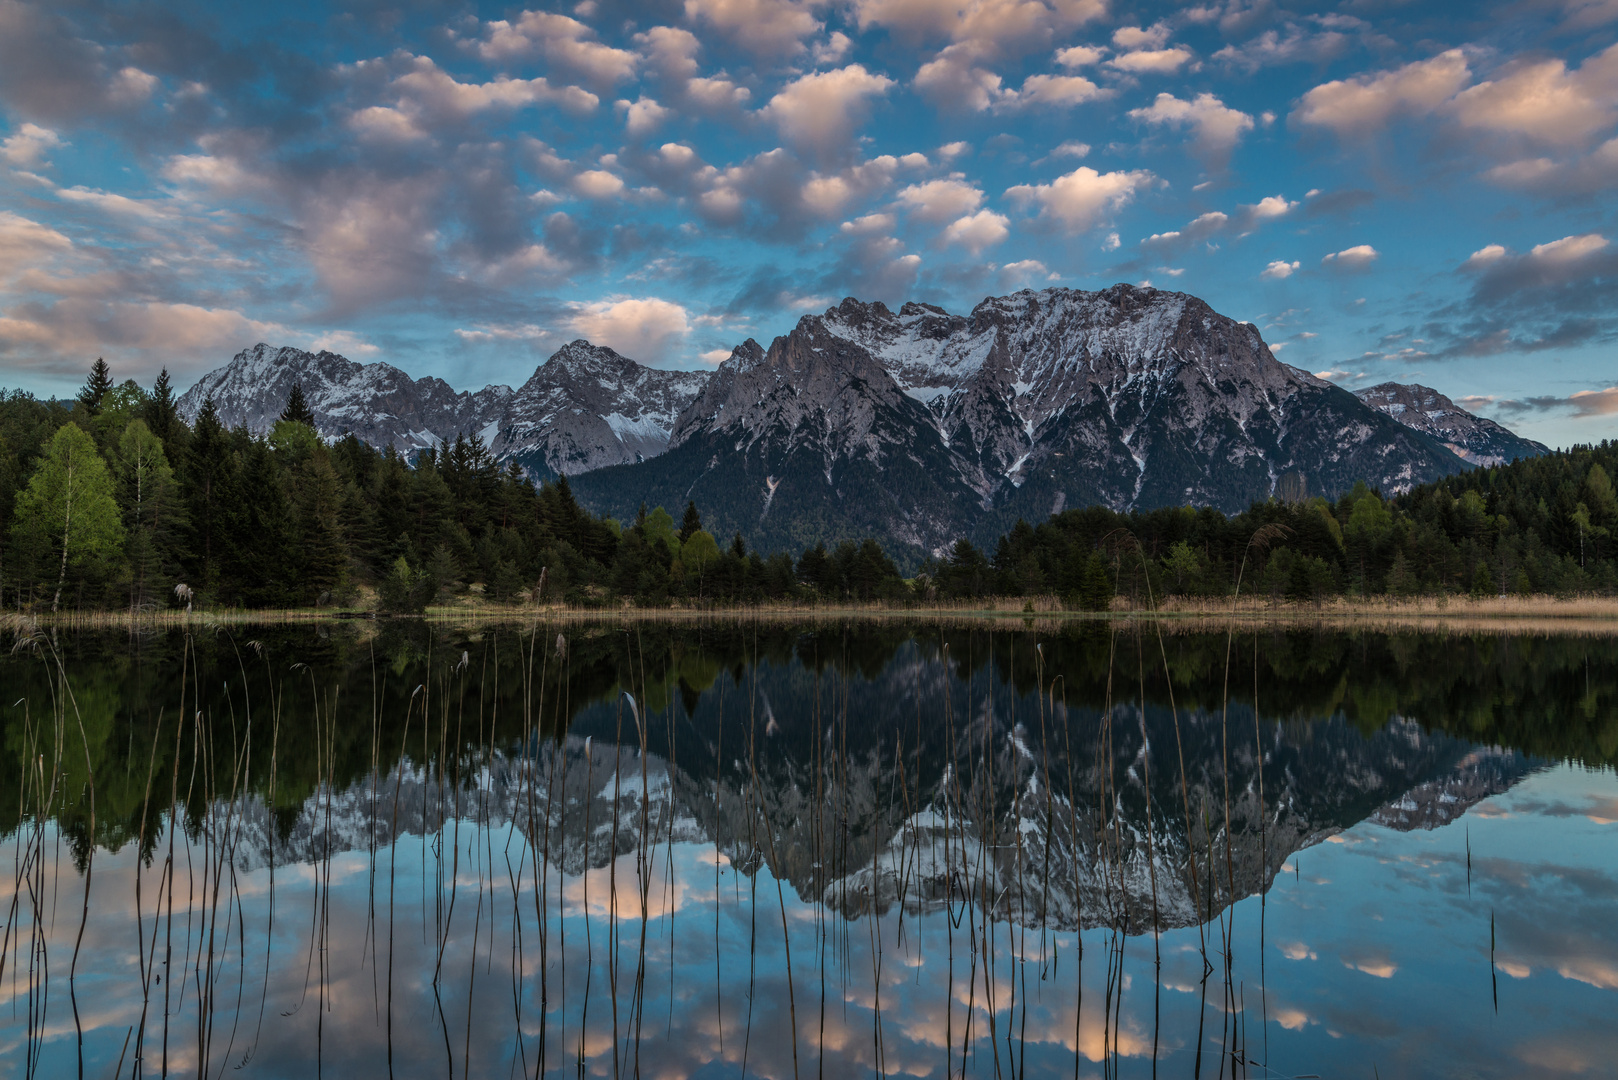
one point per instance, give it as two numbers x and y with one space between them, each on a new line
739 848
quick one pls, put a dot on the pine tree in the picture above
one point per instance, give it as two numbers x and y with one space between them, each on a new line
297 409
95 387
68 507
691 522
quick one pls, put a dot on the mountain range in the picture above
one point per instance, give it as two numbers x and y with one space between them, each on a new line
917 426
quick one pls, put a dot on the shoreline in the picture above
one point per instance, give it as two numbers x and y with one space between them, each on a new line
1531 614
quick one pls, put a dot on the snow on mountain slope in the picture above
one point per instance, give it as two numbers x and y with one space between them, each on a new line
583 408
587 407
1476 439
377 402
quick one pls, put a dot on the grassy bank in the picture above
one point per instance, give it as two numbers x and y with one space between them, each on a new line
1518 614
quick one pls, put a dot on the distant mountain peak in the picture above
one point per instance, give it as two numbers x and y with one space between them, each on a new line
588 406
920 426
1475 439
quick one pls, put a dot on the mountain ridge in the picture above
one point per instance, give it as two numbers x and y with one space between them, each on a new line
916 426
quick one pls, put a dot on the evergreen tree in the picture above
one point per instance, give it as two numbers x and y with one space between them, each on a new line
68 508
150 501
323 551
10 483
162 416
209 475
259 563
297 409
691 523
95 387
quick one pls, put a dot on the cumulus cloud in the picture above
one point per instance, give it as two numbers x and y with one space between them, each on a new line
1555 263
54 338
979 231
670 52
766 27
1484 256
1084 196
940 200
429 94
869 225
1135 37
1580 174
642 116
1061 91
1366 103
833 50
776 194
27 146
598 184
820 111
563 42
988 27
1019 274
1293 45
1357 257
1077 56
641 328
1199 229
22 240
1279 269
1217 127
49 72
954 80
1544 101
1152 61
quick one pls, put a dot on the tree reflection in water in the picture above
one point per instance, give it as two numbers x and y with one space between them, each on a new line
757 848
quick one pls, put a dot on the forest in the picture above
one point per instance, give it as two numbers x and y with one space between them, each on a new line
112 500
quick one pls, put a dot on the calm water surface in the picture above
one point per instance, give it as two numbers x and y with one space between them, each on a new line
805 851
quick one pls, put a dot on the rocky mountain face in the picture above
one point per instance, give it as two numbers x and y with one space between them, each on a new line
916 427
942 425
583 408
377 402
587 407
1475 439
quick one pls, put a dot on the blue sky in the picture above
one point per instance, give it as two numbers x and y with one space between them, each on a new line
1389 190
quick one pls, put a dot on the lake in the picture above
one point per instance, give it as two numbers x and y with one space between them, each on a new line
840 848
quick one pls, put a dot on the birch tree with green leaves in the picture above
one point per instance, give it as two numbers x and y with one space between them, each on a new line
68 508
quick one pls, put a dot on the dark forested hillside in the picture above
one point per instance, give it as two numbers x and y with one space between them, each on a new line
112 500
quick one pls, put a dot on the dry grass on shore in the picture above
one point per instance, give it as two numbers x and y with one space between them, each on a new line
1510 614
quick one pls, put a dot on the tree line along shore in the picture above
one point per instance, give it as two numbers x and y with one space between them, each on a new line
111 501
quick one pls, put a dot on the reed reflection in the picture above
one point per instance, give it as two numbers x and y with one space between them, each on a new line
754 849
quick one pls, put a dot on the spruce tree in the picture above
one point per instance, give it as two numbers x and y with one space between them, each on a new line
95 387
162 415
210 473
297 409
691 522
68 508
323 552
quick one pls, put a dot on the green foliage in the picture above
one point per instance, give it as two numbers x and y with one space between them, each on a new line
297 409
67 517
287 519
95 387
152 513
